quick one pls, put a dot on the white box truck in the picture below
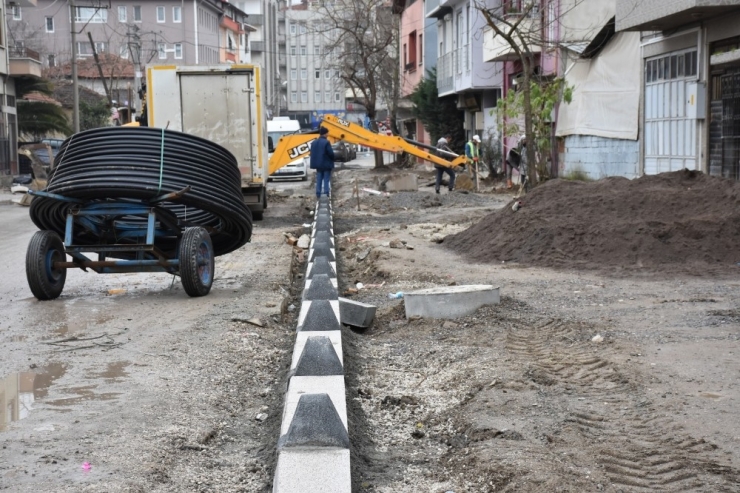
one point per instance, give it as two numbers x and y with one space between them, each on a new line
221 103
278 127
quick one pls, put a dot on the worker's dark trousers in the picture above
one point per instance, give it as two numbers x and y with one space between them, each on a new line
440 171
323 180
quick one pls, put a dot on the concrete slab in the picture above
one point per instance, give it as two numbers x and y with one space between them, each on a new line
320 315
320 288
315 423
317 229
449 301
321 265
403 183
313 470
322 249
318 358
333 280
322 219
334 336
355 313
333 386
322 237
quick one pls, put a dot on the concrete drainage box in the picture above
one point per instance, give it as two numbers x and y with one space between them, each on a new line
450 301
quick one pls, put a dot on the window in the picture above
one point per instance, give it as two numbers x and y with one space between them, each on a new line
293 97
137 13
178 51
317 97
292 30
318 74
303 29
304 51
292 51
327 74
52 61
336 97
162 50
16 9
177 14
327 97
123 51
304 74
293 74
91 15
304 97
122 13
84 49
336 74
317 50
421 50
411 64
678 65
160 14
49 24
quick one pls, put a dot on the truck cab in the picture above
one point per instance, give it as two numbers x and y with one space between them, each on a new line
277 128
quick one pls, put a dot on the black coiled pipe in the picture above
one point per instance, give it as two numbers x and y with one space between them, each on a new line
141 163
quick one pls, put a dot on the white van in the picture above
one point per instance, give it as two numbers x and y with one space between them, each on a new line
276 128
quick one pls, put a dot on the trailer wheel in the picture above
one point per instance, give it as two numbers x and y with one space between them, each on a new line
45 248
196 261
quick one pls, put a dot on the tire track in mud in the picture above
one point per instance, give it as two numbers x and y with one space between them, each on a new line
638 448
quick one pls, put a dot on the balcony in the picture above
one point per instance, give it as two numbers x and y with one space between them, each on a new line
24 62
664 15
497 49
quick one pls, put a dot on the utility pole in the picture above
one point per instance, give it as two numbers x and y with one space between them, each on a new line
100 69
134 48
75 88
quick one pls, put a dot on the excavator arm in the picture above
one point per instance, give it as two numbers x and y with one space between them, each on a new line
292 147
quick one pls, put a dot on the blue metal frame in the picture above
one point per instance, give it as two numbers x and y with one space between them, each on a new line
97 216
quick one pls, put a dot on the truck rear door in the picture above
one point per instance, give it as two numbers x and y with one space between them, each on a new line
217 107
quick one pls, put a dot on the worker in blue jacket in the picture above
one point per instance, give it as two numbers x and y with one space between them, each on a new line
322 160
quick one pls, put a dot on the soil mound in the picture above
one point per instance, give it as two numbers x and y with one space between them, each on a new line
684 221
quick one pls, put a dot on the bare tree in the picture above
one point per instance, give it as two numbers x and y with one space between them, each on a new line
361 43
522 25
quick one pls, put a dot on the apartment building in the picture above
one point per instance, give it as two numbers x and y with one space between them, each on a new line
597 132
261 47
462 70
15 61
418 44
312 84
690 82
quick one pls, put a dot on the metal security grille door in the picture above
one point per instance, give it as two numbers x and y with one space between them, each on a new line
731 125
670 134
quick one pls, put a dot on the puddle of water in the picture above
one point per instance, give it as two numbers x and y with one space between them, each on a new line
85 393
113 372
18 391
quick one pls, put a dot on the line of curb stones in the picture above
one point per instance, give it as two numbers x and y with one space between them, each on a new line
313 449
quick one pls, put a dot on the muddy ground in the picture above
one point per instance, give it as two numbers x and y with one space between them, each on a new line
582 379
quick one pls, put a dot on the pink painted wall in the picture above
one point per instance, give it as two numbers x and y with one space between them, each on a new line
412 19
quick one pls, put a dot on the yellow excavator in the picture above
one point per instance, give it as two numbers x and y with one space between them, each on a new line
292 147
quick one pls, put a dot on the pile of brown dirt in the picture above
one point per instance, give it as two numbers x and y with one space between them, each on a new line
682 221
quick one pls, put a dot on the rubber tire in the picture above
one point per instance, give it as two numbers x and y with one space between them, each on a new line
45 248
196 261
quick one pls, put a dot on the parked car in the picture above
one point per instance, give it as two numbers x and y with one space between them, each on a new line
24 163
296 169
342 152
21 183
